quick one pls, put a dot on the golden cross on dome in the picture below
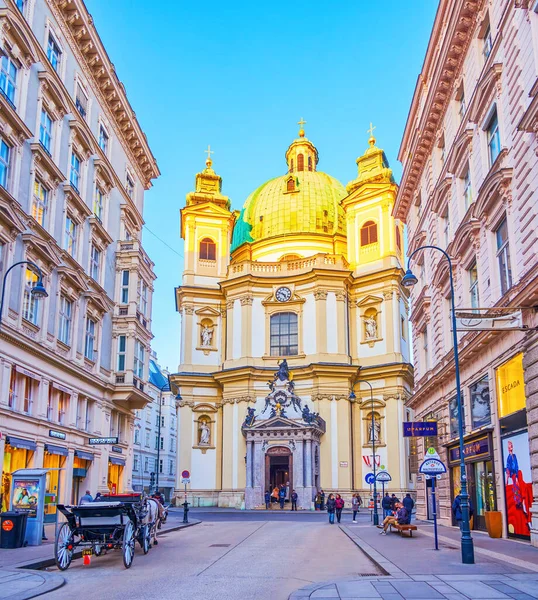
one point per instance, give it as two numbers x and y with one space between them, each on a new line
209 152
371 130
301 123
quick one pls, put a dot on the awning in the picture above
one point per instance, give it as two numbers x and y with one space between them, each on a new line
116 461
15 442
56 450
84 455
27 372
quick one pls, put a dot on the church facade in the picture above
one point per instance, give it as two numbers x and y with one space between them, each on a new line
285 306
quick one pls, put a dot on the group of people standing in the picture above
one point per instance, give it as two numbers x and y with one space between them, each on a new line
278 495
389 504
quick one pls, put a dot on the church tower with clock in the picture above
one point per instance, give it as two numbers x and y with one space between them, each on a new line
285 305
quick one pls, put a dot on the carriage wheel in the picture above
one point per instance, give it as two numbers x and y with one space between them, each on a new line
128 545
62 554
146 536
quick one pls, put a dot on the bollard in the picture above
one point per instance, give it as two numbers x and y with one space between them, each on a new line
185 512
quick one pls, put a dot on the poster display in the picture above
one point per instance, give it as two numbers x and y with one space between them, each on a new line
517 481
480 403
26 496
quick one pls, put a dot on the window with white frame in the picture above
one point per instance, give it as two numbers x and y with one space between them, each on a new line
488 43
160 465
88 415
63 402
142 297
75 171
170 467
460 99
473 286
138 365
40 202
89 341
5 155
65 321
129 186
8 78
503 257
125 287
146 464
146 441
137 436
162 443
103 139
54 54
45 130
122 345
425 349
445 227
135 458
95 262
156 442
81 100
98 203
493 137
467 188
70 236
30 306
27 398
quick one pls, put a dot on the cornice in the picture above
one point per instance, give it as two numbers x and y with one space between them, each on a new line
78 27
443 62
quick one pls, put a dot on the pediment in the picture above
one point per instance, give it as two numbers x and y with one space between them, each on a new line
11 24
460 151
85 142
72 278
9 217
441 194
207 311
104 174
207 208
55 97
204 407
370 301
494 187
277 423
41 249
132 215
100 301
486 92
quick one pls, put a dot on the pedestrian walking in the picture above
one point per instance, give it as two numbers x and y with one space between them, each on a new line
409 504
267 500
385 504
294 497
317 501
457 512
355 505
87 498
282 497
339 504
322 494
331 507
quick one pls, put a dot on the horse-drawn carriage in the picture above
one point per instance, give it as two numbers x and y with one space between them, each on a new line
116 522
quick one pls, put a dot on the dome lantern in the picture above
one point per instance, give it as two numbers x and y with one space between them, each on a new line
301 155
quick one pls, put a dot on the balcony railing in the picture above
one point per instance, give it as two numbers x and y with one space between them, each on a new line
289 267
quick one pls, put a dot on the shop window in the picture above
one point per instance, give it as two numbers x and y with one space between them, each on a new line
368 233
284 334
208 249
480 403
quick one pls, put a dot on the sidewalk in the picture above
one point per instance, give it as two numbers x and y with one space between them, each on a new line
20 574
410 568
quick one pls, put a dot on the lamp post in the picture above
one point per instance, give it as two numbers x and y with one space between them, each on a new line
37 291
179 399
409 280
165 387
353 397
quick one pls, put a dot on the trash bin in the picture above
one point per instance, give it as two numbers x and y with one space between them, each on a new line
12 529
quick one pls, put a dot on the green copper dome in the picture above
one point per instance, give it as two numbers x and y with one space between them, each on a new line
298 202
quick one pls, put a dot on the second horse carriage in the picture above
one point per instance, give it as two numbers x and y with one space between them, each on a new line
116 522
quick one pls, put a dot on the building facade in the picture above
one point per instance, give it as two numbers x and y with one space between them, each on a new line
155 436
281 304
73 170
469 186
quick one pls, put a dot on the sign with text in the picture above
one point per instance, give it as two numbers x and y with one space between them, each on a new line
117 449
383 477
419 428
102 441
432 466
60 435
471 450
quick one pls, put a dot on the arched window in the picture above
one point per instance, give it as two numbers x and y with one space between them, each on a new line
309 163
300 162
208 249
284 334
291 166
368 233
290 185
398 238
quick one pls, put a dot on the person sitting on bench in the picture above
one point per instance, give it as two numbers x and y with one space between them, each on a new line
399 519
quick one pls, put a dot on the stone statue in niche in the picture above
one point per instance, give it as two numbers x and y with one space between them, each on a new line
207 336
370 325
374 431
205 433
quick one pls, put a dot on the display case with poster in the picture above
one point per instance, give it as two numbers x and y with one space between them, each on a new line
517 482
26 496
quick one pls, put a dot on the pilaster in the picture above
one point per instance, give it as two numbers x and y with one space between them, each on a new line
321 320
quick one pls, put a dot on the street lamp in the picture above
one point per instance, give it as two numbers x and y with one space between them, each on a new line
467 548
37 291
165 387
352 398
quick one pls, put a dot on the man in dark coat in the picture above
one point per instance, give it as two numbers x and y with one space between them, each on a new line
294 497
409 504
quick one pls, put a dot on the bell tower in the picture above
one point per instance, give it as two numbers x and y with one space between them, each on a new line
206 226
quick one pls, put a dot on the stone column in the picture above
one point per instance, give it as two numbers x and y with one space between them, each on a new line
188 316
246 326
308 463
321 320
341 306
249 464
530 366
258 474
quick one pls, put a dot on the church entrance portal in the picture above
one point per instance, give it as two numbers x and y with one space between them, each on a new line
279 468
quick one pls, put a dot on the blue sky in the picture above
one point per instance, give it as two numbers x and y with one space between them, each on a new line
239 76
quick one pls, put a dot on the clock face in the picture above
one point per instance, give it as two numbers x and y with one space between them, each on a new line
283 294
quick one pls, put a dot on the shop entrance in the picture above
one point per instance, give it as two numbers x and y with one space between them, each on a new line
279 469
55 462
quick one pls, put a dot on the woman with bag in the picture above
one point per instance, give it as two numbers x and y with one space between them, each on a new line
355 505
339 505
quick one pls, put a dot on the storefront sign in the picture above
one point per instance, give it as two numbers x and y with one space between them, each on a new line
26 496
511 386
102 441
57 434
116 449
419 428
471 450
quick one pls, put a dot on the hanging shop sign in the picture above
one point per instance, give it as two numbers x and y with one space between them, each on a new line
419 428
